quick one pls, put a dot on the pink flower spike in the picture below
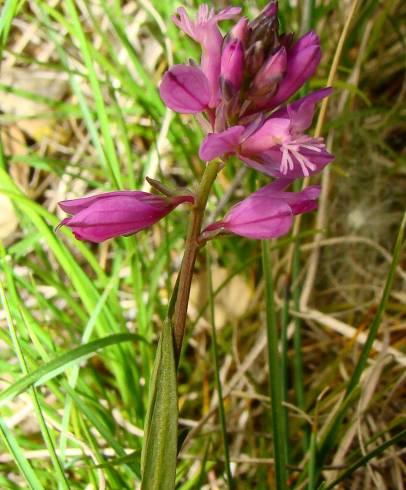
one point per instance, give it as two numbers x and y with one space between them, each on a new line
185 89
218 144
98 218
268 212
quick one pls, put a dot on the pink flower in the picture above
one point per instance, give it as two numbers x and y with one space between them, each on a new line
276 146
205 31
268 212
98 218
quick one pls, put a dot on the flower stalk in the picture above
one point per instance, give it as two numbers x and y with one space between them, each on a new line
192 246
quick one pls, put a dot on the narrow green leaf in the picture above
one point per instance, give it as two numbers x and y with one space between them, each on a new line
8 12
19 458
222 415
158 459
275 378
56 366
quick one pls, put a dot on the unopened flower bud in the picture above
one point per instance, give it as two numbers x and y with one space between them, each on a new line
254 58
267 213
232 57
232 64
227 89
240 31
120 213
265 29
269 12
270 73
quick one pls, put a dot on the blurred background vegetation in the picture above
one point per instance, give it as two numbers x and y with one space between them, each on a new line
80 113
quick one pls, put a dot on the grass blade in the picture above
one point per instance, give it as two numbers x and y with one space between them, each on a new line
364 460
61 363
217 373
275 378
41 420
24 466
109 147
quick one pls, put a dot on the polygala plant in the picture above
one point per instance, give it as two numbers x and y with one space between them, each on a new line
238 94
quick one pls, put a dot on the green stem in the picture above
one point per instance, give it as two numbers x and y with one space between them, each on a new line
307 16
275 381
284 363
189 258
217 375
297 343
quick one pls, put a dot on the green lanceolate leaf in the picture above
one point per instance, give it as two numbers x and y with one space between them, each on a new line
158 460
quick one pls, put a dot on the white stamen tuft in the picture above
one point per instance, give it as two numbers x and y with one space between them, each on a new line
292 152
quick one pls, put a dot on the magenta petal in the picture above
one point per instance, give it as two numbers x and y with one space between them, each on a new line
185 89
259 218
303 60
310 99
232 56
270 167
228 13
271 9
304 201
73 206
269 162
276 187
269 134
217 144
299 202
112 214
302 110
318 159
